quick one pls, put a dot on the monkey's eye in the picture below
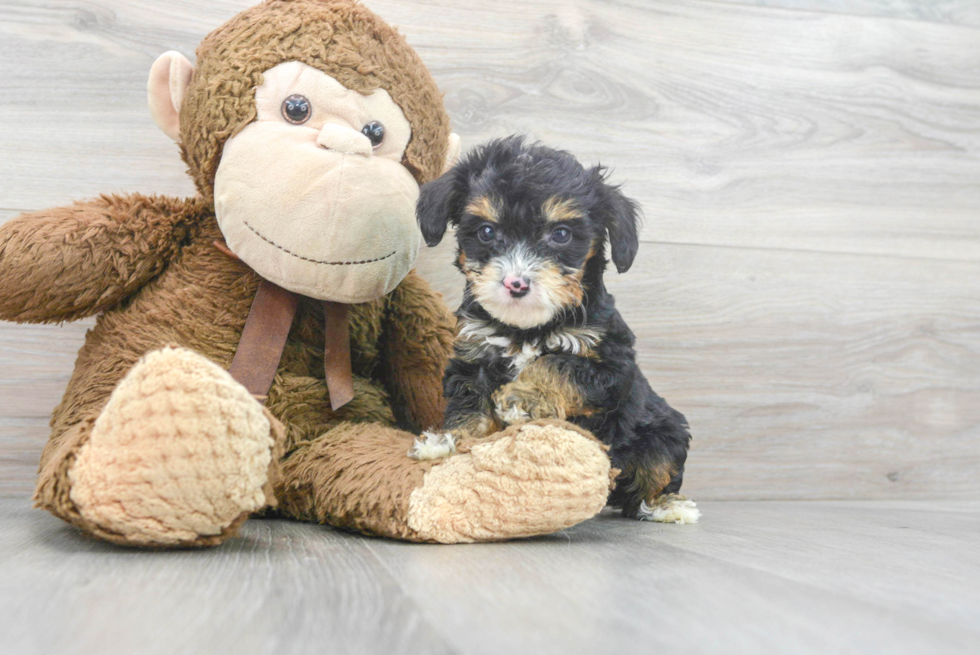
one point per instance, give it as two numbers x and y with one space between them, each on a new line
561 235
486 233
375 132
297 109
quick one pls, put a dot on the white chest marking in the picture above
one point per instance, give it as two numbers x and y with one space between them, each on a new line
482 340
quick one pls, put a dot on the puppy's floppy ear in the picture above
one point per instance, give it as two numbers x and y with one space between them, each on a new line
621 216
440 203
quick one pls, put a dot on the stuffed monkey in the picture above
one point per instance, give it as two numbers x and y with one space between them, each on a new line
307 127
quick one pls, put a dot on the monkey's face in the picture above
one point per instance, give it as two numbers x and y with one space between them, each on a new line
313 194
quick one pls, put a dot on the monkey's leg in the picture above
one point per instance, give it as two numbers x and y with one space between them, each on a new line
180 455
530 479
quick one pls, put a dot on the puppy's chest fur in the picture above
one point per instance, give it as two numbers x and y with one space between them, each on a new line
478 341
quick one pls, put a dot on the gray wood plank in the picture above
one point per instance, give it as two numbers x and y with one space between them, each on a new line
739 125
844 577
617 584
956 12
21 442
807 375
803 375
732 124
36 362
283 588
864 550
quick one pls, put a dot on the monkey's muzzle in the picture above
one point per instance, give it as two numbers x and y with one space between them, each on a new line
319 222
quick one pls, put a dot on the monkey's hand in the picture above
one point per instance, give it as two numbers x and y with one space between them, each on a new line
418 342
66 263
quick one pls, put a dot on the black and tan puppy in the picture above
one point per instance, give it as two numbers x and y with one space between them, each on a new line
538 335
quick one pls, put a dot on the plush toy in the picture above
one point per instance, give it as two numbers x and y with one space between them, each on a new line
307 127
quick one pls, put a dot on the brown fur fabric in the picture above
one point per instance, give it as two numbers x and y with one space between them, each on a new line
144 232
149 268
342 39
199 300
356 480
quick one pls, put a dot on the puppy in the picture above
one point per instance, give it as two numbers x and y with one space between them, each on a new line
538 336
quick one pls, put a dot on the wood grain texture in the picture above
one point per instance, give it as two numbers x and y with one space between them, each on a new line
955 12
20 451
807 375
807 290
36 362
896 577
829 584
737 125
283 588
732 124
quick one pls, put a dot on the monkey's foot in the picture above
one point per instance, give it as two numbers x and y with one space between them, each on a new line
179 456
534 479
670 508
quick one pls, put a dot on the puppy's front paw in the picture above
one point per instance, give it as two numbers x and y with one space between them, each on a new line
433 445
513 404
511 410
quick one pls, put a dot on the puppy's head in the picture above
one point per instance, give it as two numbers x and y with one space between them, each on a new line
531 221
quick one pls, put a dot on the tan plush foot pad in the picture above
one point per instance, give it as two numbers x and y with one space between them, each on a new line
539 478
180 452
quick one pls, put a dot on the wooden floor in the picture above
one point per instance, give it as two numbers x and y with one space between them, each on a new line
807 292
754 577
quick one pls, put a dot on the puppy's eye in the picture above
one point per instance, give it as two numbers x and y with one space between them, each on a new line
561 235
486 233
375 132
297 109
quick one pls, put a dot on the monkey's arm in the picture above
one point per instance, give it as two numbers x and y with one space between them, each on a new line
418 341
69 262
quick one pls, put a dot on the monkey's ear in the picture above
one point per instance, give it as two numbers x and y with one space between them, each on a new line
440 203
170 76
452 153
621 217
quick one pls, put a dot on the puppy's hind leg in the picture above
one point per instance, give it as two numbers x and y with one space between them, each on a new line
669 508
646 497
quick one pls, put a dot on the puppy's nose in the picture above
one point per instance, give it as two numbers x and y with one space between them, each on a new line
518 286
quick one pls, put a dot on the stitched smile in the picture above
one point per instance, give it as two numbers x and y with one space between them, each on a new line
315 261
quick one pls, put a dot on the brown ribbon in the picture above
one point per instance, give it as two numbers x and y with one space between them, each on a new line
266 329
336 354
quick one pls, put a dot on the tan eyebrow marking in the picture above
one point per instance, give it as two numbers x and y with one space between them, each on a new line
556 209
484 208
